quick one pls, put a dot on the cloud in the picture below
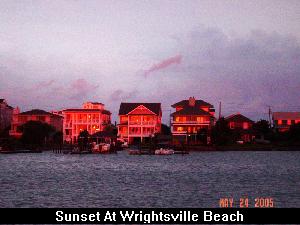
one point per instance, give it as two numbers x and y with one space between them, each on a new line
253 71
80 89
119 95
164 64
44 84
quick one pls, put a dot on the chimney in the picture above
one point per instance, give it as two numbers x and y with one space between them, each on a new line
192 101
16 110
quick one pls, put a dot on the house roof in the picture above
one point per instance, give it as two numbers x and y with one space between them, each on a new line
38 112
191 110
238 118
126 107
96 103
88 110
286 115
198 103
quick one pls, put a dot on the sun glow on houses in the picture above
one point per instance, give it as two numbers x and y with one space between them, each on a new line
242 124
139 121
19 119
6 112
191 116
283 120
91 117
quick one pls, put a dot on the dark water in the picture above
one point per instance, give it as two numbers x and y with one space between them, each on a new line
195 180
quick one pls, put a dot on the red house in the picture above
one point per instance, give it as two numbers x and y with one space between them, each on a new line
19 119
139 121
191 116
283 120
242 124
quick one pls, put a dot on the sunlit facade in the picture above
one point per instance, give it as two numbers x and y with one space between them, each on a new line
191 116
243 126
91 117
6 113
19 119
139 121
283 120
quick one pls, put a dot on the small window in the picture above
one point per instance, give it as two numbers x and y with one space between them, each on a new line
245 126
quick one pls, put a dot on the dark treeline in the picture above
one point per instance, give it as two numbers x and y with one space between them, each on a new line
36 134
261 130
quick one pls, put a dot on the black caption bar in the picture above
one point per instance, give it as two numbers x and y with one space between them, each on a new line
150 216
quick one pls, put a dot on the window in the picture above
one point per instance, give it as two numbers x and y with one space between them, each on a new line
292 122
41 118
284 122
199 119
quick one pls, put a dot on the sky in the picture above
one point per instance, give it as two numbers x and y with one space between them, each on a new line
59 54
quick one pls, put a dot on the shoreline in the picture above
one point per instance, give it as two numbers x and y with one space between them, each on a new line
243 148
232 148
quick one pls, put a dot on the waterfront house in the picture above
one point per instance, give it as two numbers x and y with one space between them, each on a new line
139 121
6 113
242 126
191 117
19 119
283 120
92 117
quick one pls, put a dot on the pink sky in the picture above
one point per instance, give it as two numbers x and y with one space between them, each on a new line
56 54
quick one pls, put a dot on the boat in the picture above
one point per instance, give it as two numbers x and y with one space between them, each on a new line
164 151
100 148
134 152
182 152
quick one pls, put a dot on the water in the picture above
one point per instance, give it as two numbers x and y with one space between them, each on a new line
120 180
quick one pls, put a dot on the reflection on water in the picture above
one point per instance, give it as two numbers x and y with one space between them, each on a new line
120 180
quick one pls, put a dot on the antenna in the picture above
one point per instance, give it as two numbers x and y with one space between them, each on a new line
220 109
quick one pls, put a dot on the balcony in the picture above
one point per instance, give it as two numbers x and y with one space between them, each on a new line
140 123
68 126
90 121
139 134
191 122
15 133
148 123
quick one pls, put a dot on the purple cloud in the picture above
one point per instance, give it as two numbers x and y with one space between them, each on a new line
164 64
80 89
119 95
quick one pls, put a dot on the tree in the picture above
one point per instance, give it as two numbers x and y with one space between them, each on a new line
35 133
58 137
202 135
83 139
111 129
165 129
294 132
5 132
221 133
262 127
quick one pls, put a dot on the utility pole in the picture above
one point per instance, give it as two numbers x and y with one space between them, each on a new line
220 109
170 117
270 117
